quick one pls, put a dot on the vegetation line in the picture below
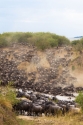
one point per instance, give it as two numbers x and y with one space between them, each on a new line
40 39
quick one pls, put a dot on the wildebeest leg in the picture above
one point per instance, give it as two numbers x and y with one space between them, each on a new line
20 112
28 113
40 114
32 113
46 113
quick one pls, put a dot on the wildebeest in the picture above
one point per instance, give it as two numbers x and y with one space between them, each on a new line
37 109
23 106
53 109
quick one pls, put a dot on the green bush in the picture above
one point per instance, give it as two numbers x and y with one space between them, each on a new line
40 39
75 42
79 100
78 45
3 41
7 96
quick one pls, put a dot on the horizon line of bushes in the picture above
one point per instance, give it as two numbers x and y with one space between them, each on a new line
78 44
41 40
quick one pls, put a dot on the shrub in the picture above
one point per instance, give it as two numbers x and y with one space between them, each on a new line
79 100
73 67
7 97
40 39
3 42
78 45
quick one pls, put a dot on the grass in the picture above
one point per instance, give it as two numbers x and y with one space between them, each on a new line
7 98
69 119
26 122
7 117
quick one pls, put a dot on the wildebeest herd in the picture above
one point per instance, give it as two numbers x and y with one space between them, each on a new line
35 104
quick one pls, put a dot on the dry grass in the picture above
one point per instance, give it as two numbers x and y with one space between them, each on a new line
5 103
69 119
7 117
66 120
26 122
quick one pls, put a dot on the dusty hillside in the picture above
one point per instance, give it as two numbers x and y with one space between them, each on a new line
76 69
43 71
